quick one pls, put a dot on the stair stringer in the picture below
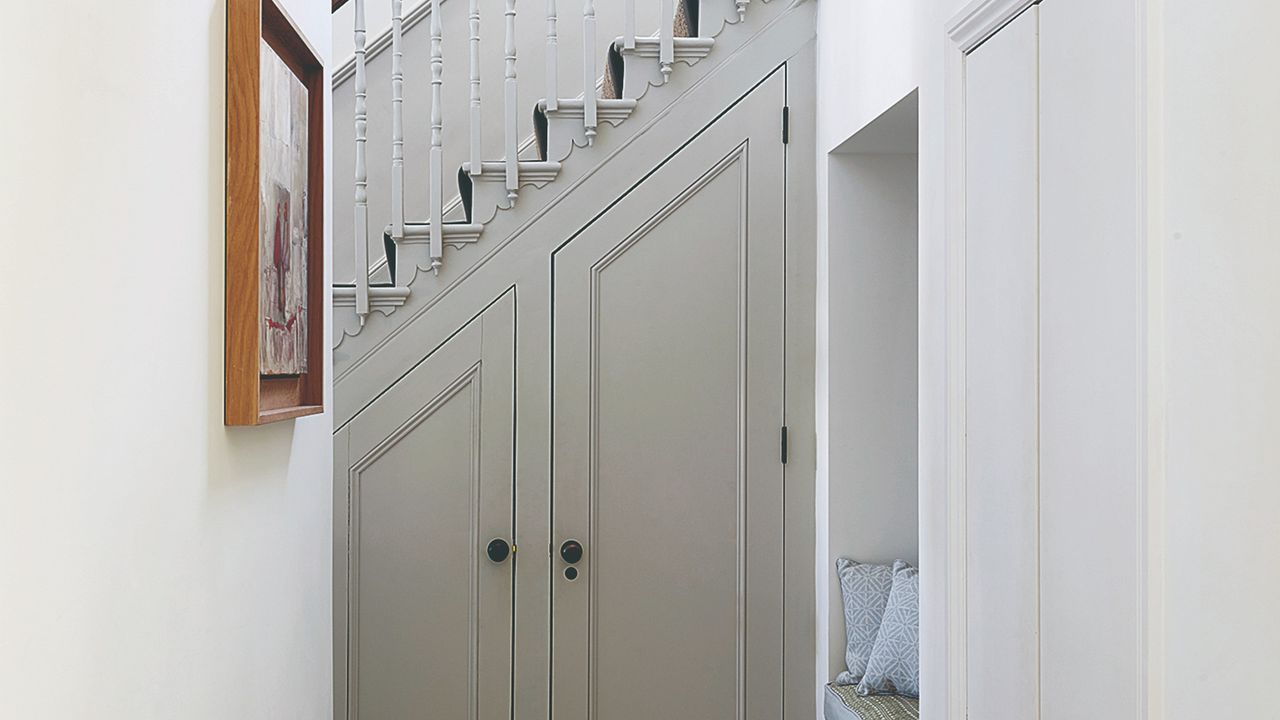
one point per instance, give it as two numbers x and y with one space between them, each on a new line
518 243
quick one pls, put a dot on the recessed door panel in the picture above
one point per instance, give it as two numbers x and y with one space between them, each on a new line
430 485
667 407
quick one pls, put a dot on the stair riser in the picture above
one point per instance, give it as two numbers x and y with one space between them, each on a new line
487 199
564 133
641 74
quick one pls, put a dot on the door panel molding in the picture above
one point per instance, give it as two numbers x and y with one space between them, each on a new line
737 160
465 386
469 384
743 148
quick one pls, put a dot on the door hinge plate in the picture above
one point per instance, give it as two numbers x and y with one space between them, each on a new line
786 124
784 444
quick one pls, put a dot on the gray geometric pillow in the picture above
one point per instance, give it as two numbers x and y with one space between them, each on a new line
894 666
865 592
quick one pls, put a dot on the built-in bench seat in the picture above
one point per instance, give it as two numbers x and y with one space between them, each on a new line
844 703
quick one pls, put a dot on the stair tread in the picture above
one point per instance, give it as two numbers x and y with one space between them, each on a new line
656 42
579 104
377 291
495 170
456 227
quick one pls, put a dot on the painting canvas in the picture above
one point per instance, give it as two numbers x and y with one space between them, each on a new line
282 222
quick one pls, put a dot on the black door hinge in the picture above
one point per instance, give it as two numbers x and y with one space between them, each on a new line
786 124
784 444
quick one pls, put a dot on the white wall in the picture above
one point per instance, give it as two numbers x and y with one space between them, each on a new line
1221 321
871 54
153 564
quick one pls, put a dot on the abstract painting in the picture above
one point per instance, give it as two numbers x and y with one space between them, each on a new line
282 222
274 281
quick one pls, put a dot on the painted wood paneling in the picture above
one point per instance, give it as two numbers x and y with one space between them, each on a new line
1090 340
1002 377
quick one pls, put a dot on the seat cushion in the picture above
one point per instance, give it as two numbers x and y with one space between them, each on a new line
844 703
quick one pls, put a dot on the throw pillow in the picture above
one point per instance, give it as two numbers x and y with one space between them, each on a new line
894 666
865 592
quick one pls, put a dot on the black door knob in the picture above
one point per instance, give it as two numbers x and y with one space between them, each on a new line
571 551
498 550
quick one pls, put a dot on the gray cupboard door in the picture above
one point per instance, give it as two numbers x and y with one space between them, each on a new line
430 481
667 409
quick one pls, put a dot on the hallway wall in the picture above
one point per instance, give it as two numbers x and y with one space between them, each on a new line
1209 411
1216 152
153 564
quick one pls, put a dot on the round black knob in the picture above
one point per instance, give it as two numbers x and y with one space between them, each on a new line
498 550
571 551
571 574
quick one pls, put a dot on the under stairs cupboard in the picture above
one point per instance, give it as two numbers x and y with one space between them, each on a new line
562 476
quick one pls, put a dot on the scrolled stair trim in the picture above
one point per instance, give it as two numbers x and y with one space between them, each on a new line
384 300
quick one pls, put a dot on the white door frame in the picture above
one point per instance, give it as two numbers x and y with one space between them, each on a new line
968 29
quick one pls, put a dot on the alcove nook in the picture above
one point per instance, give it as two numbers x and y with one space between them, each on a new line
868 490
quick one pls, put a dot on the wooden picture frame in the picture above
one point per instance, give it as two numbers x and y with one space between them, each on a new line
253 396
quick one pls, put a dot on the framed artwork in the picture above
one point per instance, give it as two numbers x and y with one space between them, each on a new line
274 346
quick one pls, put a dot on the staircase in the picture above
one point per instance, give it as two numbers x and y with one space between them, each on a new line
634 69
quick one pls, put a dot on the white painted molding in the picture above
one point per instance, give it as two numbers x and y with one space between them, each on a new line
473 46
397 119
436 161
590 118
511 107
348 323
347 69
977 22
553 55
983 18
362 174
666 37
956 551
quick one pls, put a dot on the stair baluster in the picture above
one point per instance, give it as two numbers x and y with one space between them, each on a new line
512 101
362 170
742 9
667 51
397 121
477 158
437 148
589 114
629 25
553 60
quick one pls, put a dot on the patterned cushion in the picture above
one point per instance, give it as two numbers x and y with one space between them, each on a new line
844 703
865 591
894 666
